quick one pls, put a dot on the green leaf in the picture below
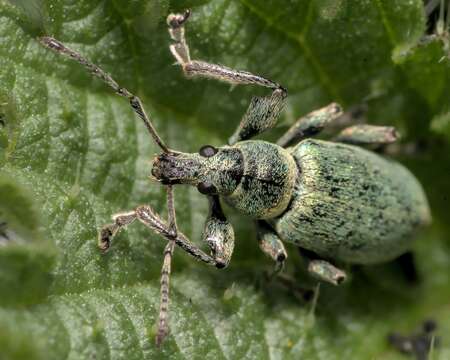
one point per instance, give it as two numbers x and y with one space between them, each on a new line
441 124
26 259
72 153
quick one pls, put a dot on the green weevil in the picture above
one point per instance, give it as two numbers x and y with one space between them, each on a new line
333 199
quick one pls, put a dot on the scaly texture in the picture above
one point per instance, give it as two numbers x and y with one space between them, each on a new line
352 204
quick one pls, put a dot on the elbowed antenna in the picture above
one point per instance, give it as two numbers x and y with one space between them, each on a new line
95 70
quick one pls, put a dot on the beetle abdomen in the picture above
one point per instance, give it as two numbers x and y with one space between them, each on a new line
351 204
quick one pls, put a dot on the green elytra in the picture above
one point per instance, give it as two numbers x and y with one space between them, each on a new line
333 199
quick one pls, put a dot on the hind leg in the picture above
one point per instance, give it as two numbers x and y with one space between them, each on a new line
322 269
368 135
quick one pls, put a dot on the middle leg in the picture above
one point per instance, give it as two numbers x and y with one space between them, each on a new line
149 218
310 124
271 245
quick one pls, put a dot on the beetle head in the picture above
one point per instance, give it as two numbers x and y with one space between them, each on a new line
214 171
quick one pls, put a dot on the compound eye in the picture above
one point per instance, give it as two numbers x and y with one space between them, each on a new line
206 188
207 151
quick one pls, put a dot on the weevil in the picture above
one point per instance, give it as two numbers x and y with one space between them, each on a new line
335 200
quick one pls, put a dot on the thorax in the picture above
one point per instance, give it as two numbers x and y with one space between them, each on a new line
267 182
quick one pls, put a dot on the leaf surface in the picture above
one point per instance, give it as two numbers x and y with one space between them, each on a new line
72 153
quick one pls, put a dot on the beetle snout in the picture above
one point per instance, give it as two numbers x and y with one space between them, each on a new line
164 168
173 168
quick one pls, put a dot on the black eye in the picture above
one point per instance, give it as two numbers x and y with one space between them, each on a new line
206 188
207 151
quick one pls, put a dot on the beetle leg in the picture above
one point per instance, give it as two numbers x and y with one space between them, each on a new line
148 217
169 230
271 245
310 124
218 233
106 234
262 112
368 135
180 51
322 269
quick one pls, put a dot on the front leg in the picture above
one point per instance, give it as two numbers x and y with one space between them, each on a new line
262 113
149 218
218 233
107 232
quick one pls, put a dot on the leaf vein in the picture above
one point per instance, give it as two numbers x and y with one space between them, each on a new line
385 21
301 41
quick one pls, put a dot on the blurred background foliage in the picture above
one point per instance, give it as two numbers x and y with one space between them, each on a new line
72 153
